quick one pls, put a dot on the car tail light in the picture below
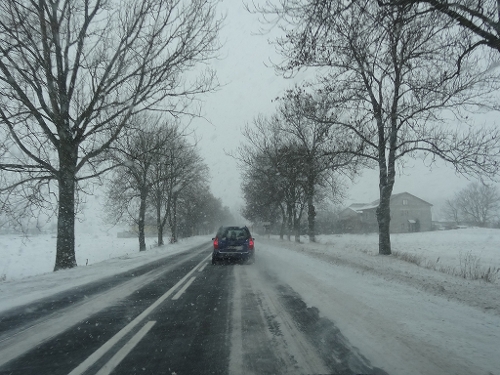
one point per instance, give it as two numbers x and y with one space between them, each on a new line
250 243
216 243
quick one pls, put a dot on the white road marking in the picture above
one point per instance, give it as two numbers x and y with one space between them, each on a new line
53 325
183 289
236 353
202 268
94 357
122 353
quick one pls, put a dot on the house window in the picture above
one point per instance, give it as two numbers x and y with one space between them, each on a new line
405 202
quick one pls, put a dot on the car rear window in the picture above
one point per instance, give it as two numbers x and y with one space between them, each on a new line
235 233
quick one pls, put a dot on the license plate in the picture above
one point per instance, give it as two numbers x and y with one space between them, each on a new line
235 248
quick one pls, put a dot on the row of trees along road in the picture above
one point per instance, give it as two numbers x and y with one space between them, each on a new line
158 172
72 75
399 81
291 163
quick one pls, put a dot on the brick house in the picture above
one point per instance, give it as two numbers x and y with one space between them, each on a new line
408 214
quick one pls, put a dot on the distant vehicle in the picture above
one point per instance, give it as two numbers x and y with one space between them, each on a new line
233 243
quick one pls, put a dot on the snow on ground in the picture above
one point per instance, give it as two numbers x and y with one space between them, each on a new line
22 258
395 323
361 253
404 318
27 263
447 246
451 244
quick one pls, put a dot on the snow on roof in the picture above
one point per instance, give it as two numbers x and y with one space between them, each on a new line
359 207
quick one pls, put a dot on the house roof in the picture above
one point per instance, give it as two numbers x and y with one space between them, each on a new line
360 207
394 196
349 211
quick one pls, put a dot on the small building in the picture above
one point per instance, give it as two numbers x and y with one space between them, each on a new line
408 214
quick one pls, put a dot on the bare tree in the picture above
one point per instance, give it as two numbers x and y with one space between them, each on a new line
163 176
479 204
390 81
288 157
136 155
481 17
199 211
324 150
452 211
186 168
261 194
72 73
263 185
155 163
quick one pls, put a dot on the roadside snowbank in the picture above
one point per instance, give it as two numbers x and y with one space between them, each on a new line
361 253
28 263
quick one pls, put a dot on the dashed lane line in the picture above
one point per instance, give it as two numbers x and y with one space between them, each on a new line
183 289
202 268
123 352
94 357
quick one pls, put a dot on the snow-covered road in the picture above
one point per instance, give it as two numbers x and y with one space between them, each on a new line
400 324
387 313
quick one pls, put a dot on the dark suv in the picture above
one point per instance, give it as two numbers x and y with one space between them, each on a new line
233 243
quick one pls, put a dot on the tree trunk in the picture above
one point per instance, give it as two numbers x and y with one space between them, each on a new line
311 212
297 218
173 225
386 184
296 227
159 226
165 217
289 223
311 218
283 223
384 222
65 247
160 236
142 218
387 175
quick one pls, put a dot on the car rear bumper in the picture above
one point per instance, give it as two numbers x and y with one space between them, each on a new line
232 255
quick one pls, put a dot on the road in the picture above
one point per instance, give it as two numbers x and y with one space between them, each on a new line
180 315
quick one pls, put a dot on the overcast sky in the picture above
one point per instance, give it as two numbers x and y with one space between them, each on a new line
249 88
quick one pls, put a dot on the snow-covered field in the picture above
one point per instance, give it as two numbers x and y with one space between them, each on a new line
23 256
448 250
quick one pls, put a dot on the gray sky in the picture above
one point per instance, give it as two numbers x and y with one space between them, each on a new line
249 88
